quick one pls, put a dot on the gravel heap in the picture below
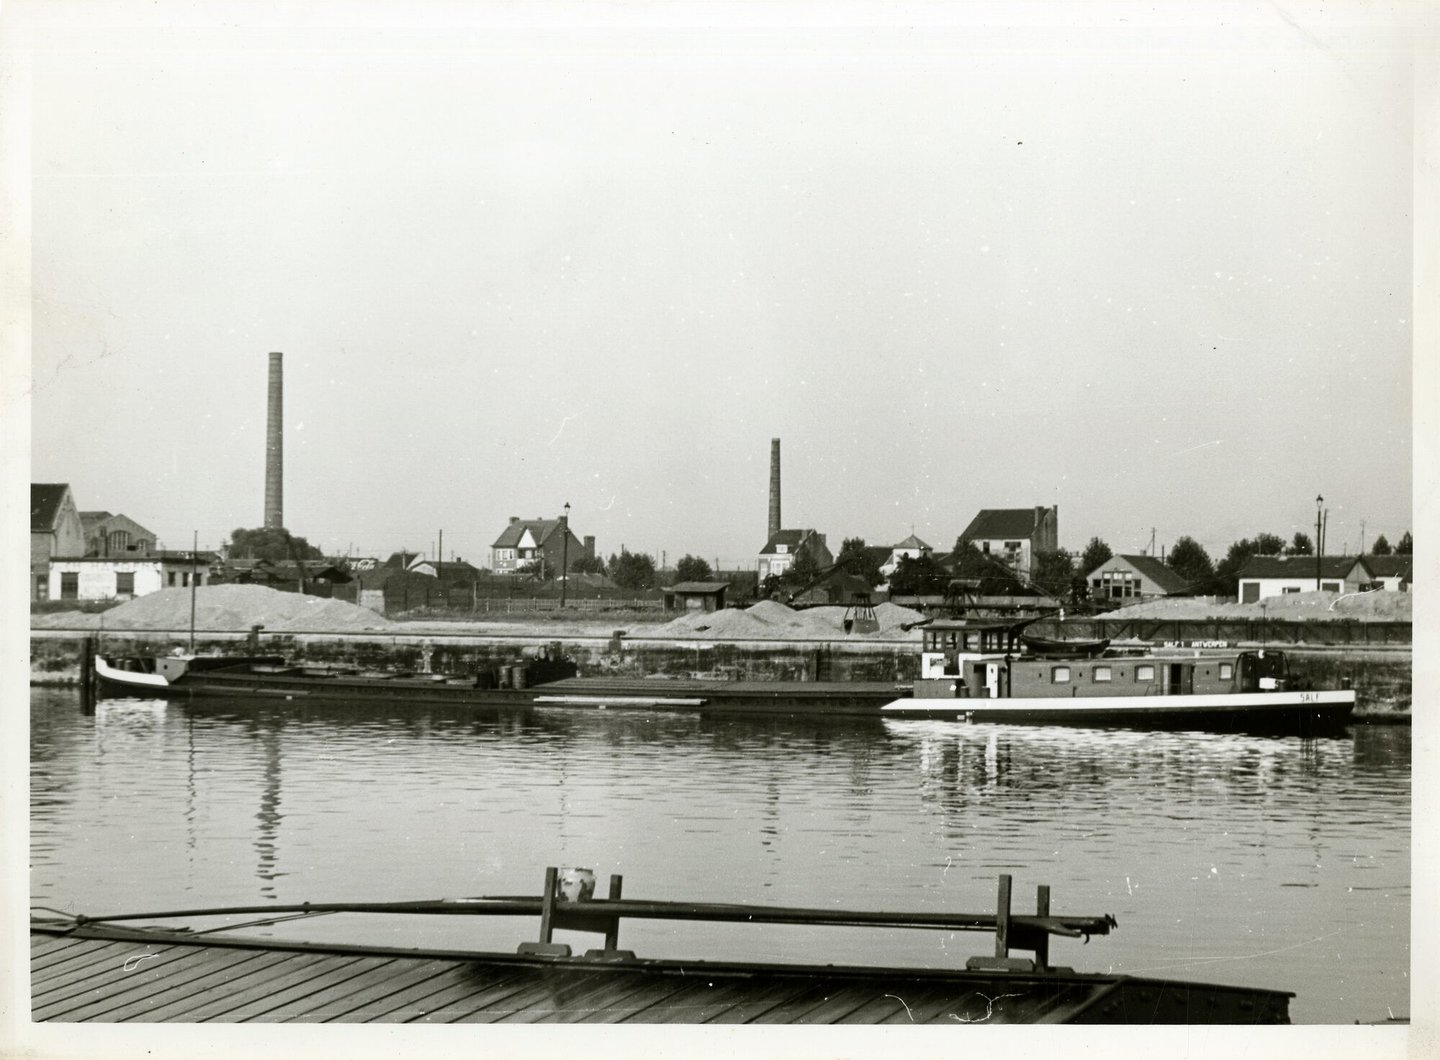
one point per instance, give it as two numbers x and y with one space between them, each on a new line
771 620
223 608
1317 606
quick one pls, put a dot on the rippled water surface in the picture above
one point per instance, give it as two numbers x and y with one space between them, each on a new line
1257 861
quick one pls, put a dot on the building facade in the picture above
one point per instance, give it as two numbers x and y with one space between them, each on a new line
1265 576
123 578
785 546
115 535
550 543
55 532
1014 535
1132 579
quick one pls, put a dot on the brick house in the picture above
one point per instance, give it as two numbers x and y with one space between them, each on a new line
1133 579
115 535
55 532
784 546
1014 535
527 541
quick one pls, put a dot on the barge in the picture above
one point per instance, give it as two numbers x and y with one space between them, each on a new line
969 670
98 969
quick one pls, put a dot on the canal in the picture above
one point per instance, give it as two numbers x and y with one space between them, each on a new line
1235 859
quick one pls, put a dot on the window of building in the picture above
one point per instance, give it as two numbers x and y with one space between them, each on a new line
42 586
69 585
125 582
1060 675
1330 587
1145 672
119 541
1102 673
1289 589
1227 671
782 549
171 578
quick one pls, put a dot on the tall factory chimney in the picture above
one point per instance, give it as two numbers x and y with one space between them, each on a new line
275 446
774 486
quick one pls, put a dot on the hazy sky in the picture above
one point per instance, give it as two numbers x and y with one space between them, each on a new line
1156 273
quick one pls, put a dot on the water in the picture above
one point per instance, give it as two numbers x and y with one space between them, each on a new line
1257 861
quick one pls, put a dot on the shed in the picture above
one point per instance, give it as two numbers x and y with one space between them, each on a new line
696 596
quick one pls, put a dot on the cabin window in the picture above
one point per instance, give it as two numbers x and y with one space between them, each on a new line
1145 672
1227 671
1102 673
1060 675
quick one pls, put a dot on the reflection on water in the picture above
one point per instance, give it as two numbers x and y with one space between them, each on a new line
1262 861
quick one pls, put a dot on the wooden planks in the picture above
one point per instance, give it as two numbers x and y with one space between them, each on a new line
87 977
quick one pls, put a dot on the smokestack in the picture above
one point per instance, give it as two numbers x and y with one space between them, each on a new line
774 487
274 446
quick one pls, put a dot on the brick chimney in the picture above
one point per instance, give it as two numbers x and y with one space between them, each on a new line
774 488
275 446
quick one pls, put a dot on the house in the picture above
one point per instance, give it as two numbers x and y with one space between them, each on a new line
1264 576
784 546
454 569
548 542
696 596
1132 579
55 532
283 574
1014 535
126 577
912 547
1394 573
115 535
835 589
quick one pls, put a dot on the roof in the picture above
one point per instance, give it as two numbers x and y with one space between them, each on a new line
401 559
789 538
540 530
45 501
912 542
89 519
699 587
1391 566
1300 566
991 524
1154 569
448 566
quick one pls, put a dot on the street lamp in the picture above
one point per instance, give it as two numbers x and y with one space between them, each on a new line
564 552
1319 501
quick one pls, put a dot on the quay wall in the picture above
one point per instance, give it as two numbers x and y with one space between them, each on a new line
1381 676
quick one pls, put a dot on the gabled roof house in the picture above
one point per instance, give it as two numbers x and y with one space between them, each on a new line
1014 535
1264 576
1130 579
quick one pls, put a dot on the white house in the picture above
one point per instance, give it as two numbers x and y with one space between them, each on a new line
912 547
116 578
1264 576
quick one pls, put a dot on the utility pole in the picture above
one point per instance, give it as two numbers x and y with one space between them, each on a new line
1319 541
564 552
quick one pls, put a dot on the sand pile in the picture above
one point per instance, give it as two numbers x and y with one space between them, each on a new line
771 620
227 608
1317 606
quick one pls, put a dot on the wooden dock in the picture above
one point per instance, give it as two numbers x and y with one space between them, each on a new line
98 970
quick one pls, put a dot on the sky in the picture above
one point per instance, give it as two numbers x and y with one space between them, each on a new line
1152 264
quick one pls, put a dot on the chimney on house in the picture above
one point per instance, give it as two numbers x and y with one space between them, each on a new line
274 446
514 519
590 545
774 488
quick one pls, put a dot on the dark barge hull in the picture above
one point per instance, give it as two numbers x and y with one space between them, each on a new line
761 697
108 974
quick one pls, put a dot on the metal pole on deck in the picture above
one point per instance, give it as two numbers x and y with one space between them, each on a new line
194 562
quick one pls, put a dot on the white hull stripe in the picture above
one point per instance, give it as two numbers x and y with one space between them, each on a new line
129 677
1248 701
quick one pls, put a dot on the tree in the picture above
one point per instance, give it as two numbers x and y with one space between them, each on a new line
770 587
1406 545
918 576
1227 572
855 559
692 569
1053 572
801 572
273 543
1096 553
632 570
1269 544
1381 547
1189 559
587 565
1300 545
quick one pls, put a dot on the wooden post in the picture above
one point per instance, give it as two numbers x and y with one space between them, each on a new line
88 647
547 904
612 936
1002 917
1042 941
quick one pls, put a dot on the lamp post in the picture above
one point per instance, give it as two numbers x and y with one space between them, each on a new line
1319 500
564 552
